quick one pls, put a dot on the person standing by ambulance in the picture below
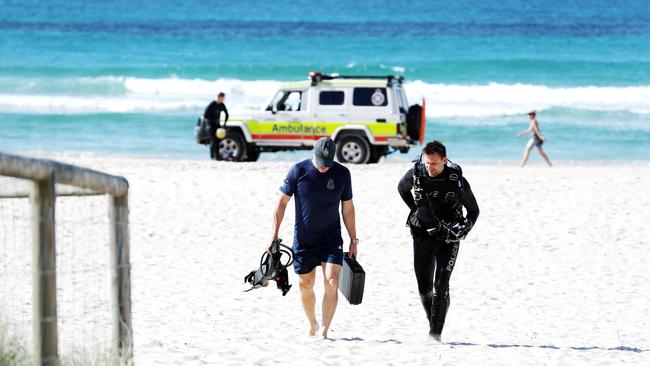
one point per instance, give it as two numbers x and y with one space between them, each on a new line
213 115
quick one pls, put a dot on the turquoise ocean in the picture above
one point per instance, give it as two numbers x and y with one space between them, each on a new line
130 78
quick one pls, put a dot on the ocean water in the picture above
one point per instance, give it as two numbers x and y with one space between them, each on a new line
131 77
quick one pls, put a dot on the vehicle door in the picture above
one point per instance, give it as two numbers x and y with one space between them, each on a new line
282 120
331 110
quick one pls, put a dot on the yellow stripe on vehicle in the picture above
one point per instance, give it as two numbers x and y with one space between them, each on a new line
317 128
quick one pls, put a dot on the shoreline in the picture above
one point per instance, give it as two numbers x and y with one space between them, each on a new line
533 162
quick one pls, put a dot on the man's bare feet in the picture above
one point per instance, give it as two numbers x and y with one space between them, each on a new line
325 333
313 329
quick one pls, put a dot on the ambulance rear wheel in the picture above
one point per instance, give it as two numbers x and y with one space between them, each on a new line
352 149
252 153
376 153
232 146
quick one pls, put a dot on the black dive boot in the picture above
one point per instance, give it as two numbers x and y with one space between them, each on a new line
427 301
439 309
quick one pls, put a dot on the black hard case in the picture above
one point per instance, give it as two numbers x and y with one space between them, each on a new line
352 280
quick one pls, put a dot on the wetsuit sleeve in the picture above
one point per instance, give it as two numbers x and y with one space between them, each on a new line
289 185
225 110
404 189
347 188
469 201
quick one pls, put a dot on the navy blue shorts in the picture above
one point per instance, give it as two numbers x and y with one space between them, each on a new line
306 259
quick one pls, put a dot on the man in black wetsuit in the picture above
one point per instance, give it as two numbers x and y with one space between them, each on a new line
437 225
213 115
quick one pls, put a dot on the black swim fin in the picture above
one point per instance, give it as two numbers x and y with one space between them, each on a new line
272 268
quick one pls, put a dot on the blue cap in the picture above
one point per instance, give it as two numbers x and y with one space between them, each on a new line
324 151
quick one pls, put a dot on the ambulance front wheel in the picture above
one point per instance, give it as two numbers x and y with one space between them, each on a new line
353 149
232 146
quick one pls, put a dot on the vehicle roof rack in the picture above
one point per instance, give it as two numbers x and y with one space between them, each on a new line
390 79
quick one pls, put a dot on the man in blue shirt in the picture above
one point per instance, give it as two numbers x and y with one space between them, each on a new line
318 184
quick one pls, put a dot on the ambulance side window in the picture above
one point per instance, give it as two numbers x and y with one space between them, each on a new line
276 100
369 97
291 102
331 98
403 102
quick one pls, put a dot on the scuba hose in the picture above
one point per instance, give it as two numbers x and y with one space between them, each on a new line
456 230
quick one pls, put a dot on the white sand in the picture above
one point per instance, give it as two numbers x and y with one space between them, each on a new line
558 260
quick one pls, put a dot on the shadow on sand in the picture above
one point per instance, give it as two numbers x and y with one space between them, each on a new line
359 339
495 345
585 348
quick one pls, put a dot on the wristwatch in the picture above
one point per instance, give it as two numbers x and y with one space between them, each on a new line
355 241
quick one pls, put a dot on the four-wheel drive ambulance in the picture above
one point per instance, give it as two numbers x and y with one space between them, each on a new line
367 116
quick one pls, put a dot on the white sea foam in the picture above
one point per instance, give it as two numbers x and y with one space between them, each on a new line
445 100
129 94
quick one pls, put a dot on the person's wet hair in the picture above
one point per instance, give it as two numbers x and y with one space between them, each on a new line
221 95
435 147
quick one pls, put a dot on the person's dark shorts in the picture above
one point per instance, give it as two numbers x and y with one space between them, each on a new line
306 259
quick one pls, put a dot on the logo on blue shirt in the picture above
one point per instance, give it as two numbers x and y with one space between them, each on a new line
284 185
330 184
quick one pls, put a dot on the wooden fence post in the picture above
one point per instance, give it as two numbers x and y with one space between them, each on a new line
121 280
44 264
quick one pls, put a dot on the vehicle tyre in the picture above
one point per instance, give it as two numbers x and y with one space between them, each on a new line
377 153
413 122
202 132
234 145
252 153
352 149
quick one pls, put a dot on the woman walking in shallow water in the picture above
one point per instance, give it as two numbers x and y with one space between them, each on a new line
536 139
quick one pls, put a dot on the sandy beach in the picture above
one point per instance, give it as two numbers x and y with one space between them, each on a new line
555 271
